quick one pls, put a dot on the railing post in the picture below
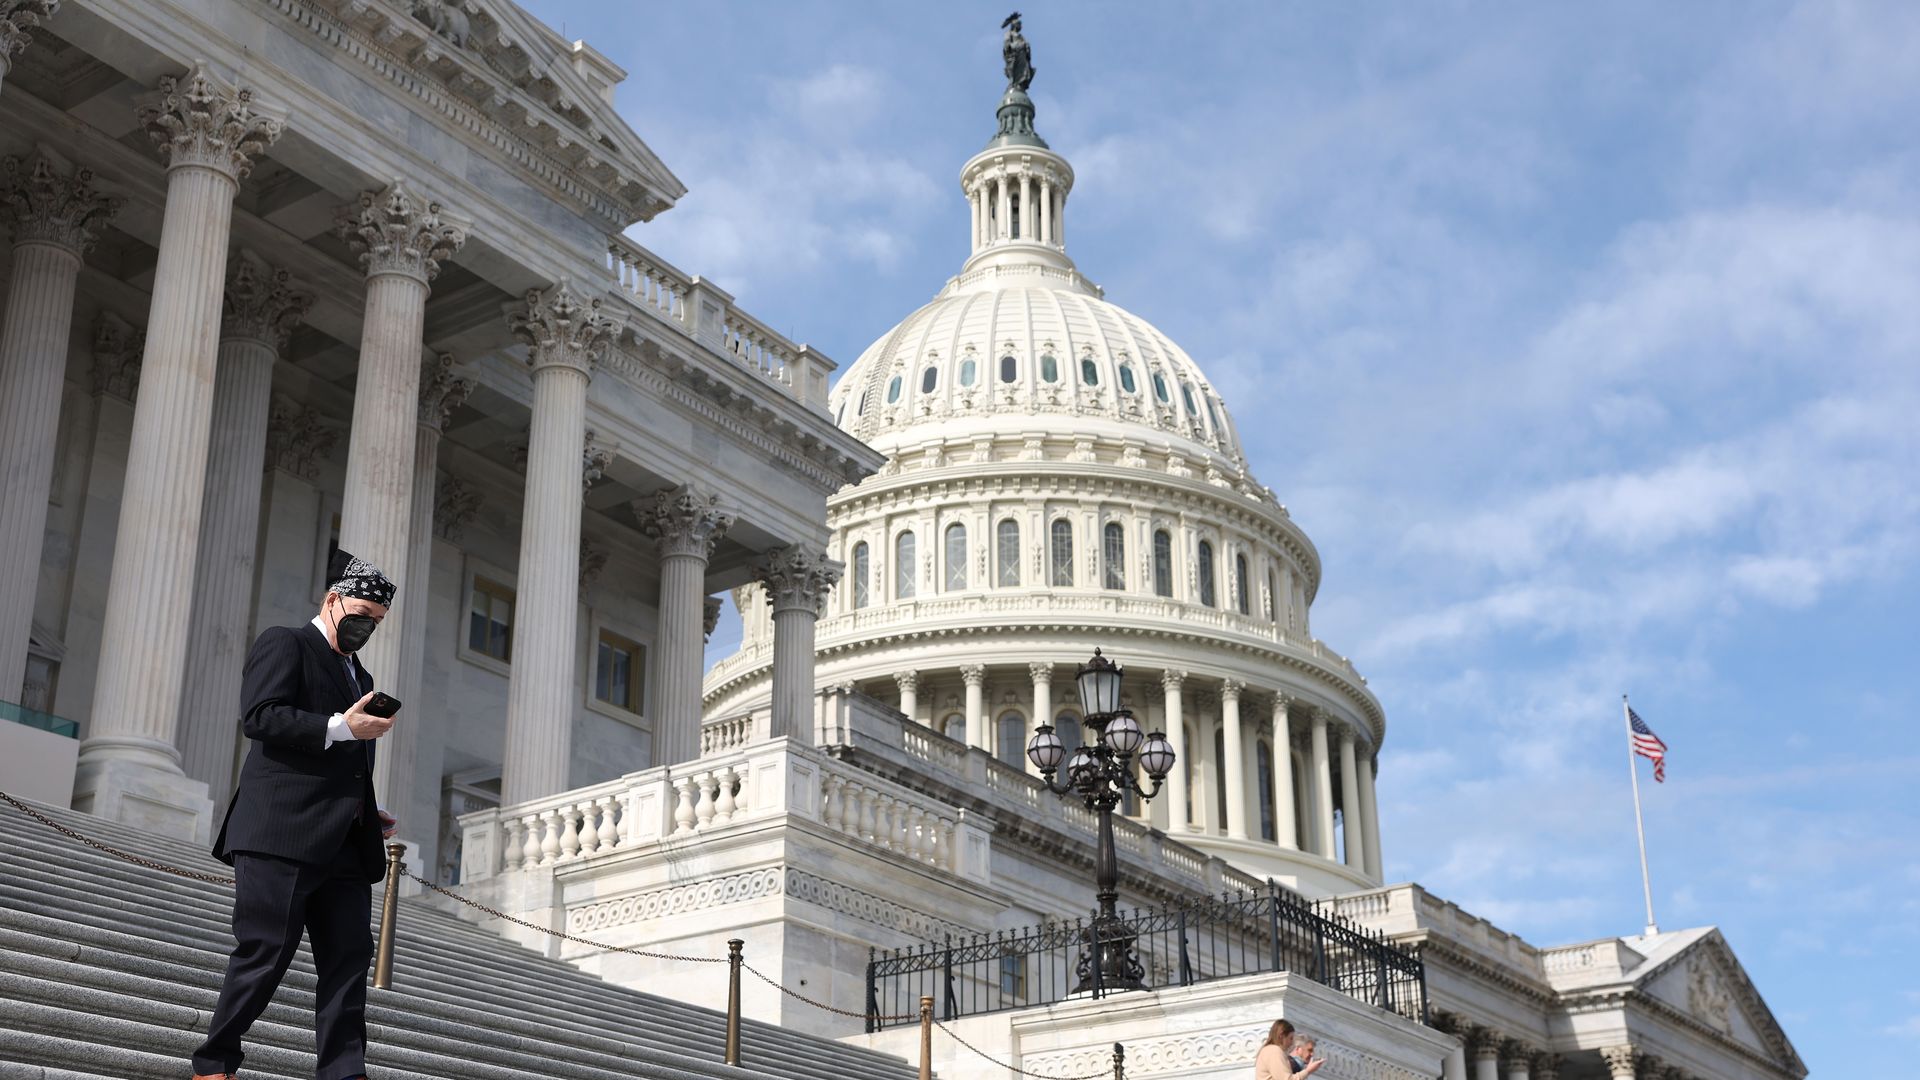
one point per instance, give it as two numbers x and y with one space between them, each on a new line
873 990
1319 946
1420 962
735 957
926 1037
1273 920
389 913
1186 964
1380 965
946 978
1119 1062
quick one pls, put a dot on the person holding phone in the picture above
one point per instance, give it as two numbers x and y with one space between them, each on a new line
303 832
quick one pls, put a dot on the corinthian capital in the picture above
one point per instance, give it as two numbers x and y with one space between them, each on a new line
1173 680
117 349
441 391
1231 689
16 18
262 303
200 119
43 202
684 521
798 578
559 328
973 674
397 232
710 617
595 456
1040 672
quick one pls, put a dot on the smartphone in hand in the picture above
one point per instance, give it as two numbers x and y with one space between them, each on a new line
382 705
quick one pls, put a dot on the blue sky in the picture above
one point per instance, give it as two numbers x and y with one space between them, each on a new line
1584 340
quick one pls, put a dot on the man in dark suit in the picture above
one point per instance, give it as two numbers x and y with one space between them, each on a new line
303 833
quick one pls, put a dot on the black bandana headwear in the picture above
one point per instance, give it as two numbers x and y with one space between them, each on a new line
350 575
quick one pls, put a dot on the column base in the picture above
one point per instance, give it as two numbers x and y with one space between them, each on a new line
145 796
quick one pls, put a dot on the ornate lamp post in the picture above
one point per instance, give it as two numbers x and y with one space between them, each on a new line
1100 775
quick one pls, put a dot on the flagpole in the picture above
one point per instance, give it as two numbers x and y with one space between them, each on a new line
1639 828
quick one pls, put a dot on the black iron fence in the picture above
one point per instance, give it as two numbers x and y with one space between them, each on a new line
1241 933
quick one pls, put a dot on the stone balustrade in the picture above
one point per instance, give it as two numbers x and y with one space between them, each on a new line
729 733
697 309
765 780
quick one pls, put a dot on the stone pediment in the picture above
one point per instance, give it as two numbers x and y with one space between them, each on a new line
494 58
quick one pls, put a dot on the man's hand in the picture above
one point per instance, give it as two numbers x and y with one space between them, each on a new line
388 825
364 724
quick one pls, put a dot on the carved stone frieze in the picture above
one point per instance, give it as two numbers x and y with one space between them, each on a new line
684 521
455 506
397 232
117 348
261 302
201 120
441 390
41 201
298 439
798 578
559 327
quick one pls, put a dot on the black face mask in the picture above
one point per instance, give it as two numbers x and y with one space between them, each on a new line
350 632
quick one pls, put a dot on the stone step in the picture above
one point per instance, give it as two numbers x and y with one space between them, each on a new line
89 934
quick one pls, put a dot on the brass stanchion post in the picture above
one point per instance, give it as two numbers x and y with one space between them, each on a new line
734 960
926 1037
383 956
1119 1062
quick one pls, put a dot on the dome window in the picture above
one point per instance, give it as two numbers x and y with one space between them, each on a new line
929 379
1049 369
956 557
1007 553
1089 371
1009 368
1160 387
1186 395
1062 552
1205 574
1113 556
1212 416
1126 379
861 563
866 399
1240 581
967 371
893 390
1162 560
903 563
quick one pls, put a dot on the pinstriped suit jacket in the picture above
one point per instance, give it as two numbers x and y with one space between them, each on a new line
299 798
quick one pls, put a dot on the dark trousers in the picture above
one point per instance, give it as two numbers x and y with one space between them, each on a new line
273 899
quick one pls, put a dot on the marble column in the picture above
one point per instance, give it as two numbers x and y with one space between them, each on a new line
1234 745
1179 819
1284 827
975 676
1027 216
262 308
1322 786
1352 828
1370 818
53 213
1455 1066
129 769
414 801
16 18
1046 211
1517 1057
1546 1065
1042 675
1620 1061
1486 1055
909 684
797 580
401 239
686 523
565 338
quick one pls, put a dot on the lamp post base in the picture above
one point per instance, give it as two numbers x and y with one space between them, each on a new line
1117 967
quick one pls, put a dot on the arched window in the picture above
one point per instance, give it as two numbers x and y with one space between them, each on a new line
1265 768
1160 387
860 564
866 399
1049 369
1273 598
840 417
1066 724
956 557
1186 395
1205 569
1009 368
1089 371
1220 777
1060 551
893 389
1007 553
1126 379
1213 417
1113 555
1240 582
903 564
967 370
1010 742
929 379
1162 563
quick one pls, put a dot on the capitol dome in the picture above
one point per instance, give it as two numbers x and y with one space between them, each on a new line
1061 476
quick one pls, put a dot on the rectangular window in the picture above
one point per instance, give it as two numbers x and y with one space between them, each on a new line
1013 977
1113 556
490 620
619 672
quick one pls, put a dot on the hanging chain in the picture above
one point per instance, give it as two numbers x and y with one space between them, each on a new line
211 879
1104 1074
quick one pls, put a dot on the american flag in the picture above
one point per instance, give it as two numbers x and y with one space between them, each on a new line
1648 745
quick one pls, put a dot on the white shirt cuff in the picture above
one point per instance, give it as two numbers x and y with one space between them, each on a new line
337 730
